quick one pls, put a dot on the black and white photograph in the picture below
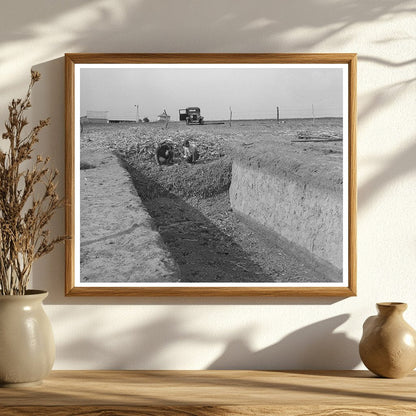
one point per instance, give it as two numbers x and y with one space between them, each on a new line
211 175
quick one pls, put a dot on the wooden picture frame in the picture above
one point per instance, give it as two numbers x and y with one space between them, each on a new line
301 149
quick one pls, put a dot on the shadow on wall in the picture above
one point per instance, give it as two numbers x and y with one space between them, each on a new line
395 168
236 27
143 347
382 97
314 347
152 345
48 101
139 26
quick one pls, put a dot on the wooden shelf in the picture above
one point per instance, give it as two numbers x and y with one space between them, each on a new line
202 393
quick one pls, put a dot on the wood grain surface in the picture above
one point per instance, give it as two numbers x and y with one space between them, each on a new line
202 393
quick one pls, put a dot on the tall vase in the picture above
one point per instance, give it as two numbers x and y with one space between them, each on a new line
388 345
27 347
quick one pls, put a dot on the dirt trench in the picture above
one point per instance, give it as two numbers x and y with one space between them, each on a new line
210 243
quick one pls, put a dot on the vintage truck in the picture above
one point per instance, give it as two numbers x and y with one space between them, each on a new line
192 115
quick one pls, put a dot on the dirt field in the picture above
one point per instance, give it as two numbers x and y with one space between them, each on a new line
190 205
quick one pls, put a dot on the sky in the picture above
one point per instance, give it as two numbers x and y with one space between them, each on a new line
252 93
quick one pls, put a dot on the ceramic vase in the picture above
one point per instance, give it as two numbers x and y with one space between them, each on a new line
388 345
27 347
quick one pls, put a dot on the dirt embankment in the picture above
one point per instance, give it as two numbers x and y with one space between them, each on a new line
119 242
294 187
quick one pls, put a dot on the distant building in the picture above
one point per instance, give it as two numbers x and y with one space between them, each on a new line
164 116
97 116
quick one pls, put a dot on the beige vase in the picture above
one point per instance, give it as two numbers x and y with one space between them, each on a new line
27 347
388 345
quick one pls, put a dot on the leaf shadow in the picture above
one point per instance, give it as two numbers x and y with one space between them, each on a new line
313 347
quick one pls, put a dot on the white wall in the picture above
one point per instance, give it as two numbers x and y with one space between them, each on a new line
199 333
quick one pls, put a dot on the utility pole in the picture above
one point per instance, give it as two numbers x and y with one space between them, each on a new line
277 114
137 112
313 114
231 115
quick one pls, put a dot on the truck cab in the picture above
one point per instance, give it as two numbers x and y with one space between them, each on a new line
192 115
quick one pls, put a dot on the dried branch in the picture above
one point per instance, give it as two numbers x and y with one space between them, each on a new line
23 218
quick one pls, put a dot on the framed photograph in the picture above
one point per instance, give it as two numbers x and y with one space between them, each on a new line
211 174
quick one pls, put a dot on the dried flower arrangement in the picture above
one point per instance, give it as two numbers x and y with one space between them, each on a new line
28 200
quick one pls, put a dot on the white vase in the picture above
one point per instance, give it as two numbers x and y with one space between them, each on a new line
27 347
